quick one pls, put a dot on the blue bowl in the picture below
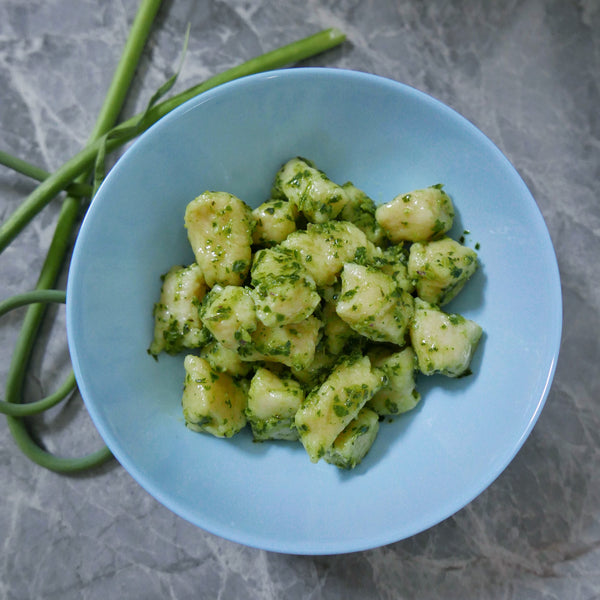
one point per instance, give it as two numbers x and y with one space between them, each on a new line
387 138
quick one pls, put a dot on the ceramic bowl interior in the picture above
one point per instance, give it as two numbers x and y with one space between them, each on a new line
387 138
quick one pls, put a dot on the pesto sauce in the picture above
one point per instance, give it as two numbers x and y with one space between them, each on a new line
330 225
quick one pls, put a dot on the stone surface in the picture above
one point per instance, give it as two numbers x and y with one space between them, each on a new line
527 73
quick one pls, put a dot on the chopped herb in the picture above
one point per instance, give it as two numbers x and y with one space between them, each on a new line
239 266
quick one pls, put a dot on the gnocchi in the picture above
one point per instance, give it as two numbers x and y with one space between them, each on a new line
310 318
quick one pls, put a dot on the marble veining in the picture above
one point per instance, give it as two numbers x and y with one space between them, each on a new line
527 73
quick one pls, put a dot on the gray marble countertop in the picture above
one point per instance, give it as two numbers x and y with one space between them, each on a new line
527 73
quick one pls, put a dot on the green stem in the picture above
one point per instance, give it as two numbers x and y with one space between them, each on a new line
32 408
21 166
134 46
39 406
49 461
34 297
66 222
43 194
281 57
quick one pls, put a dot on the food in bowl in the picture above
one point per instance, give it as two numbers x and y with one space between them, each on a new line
386 137
309 317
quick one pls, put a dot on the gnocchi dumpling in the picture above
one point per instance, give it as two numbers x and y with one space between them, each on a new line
326 247
283 290
444 343
223 359
399 394
229 314
317 197
272 405
419 215
292 345
352 445
360 211
219 227
440 269
213 402
177 323
328 409
373 305
274 220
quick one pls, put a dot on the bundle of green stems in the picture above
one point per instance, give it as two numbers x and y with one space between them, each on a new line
78 178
